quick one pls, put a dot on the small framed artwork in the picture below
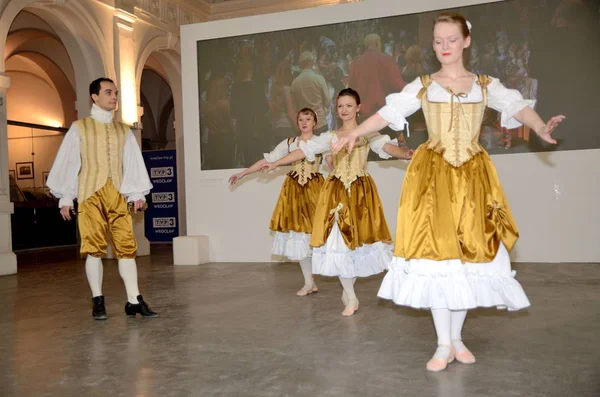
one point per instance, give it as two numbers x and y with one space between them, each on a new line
45 177
11 175
24 170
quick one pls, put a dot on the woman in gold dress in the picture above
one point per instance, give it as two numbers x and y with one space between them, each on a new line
292 219
454 227
350 237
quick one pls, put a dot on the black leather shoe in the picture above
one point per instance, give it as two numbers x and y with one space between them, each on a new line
141 308
98 309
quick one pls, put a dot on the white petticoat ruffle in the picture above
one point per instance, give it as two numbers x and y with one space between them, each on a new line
293 245
336 259
450 284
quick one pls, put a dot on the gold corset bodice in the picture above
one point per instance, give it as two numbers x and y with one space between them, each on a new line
454 127
303 170
348 167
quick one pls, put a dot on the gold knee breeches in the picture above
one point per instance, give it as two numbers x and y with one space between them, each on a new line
106 210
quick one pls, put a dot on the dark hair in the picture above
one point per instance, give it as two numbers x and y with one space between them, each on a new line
96 85
306 111
351 93
453 17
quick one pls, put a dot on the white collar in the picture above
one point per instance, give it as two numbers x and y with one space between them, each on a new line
101 115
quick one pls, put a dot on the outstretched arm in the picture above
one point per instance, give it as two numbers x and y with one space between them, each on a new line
294 156
307 149
248 171
531 119
515 111
398 152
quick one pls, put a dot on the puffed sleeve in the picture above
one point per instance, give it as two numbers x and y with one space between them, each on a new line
63 179
279 152
317 145
401 105
136 182
508 102
377 142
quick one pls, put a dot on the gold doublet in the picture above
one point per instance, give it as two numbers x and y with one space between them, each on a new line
102 207
452 204
102 147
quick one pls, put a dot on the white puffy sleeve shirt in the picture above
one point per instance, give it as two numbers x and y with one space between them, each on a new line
323 142
63 179
507 102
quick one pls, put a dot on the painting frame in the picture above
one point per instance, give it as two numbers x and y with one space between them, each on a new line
45 178
25 170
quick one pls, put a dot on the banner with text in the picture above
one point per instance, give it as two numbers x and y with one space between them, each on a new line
161 214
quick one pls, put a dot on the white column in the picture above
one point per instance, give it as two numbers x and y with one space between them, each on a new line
8 260
125 57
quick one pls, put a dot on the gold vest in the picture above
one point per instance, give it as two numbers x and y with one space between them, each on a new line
303 170
454 127
101 155
348 167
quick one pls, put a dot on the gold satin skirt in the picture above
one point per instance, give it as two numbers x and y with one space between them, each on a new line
295 208
106 210
452 213
359 215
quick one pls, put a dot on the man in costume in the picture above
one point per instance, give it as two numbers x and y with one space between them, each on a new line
99 163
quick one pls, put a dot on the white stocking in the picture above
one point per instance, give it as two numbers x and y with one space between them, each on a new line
306 266
458 319
128 272
94 271
442 322
348 285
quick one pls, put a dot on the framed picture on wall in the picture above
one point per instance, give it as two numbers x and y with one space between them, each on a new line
24 170
45 177
11 175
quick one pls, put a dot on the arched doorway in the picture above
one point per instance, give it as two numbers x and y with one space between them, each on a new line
156 98
41 104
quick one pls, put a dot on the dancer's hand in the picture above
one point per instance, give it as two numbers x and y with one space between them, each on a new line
138 205
549 127
347 139
66 212
268 167
409 154
235 178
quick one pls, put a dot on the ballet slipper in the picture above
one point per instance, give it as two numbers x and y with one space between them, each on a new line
345 300
306 290
443 356
462 354
351 308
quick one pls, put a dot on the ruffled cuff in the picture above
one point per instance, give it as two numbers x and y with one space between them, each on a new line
271 157
135 197
507 117
65 201
395 119
377 144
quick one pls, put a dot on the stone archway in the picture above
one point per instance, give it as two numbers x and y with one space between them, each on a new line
90 56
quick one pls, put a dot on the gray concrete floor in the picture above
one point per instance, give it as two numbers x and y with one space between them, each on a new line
239 330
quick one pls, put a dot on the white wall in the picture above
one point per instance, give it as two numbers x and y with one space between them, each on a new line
553 196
